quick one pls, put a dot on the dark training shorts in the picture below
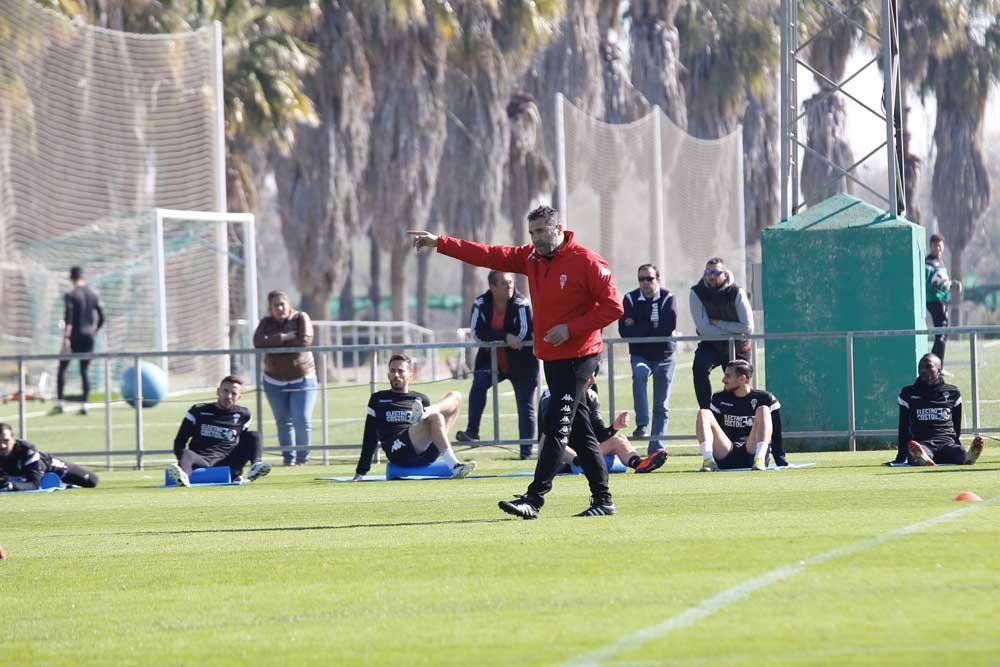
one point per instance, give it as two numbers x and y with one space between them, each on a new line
739 457
402 452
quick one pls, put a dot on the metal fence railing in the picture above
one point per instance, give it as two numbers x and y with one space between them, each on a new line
327 356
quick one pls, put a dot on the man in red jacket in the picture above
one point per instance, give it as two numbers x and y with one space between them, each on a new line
574 297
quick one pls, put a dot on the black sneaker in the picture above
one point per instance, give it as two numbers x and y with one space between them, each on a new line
466 436
599 508
519 506
641 432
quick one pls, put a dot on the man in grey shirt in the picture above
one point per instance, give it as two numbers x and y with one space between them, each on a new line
719 307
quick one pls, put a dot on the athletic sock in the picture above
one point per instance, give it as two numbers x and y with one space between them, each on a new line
760 448
634 461
706 450
449 456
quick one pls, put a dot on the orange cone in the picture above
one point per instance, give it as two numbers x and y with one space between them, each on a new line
968 495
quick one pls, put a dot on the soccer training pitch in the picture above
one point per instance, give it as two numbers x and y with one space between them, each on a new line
847 562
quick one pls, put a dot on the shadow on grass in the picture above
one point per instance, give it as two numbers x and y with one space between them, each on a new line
917 470
280 529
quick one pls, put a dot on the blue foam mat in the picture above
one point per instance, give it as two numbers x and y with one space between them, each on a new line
904 464
50 482
610 460
215 476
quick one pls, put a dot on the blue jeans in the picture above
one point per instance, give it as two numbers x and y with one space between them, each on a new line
524 396
663 377
292 405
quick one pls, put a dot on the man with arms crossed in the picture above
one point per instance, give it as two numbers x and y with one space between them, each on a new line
574 297
741 425
412 432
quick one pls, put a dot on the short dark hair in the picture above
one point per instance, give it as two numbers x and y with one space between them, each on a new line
741 367
493 276
545 213
75 272
231 379
716 260
648 266
400 357
935 238
5 425
275 294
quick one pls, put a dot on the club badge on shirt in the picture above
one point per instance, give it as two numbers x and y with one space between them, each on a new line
562 281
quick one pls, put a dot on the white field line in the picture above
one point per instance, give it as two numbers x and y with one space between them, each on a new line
723 599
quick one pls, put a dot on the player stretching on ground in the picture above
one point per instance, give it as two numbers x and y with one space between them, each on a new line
741 425
217 434
22 465
411 430
930 420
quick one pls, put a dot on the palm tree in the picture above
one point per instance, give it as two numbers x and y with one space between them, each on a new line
484 65
656 56
529 172
961 83
318 182
826 110
406 50
729 52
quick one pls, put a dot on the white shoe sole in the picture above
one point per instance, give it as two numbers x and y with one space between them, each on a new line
177 476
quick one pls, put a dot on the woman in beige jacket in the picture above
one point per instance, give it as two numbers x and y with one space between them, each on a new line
289 377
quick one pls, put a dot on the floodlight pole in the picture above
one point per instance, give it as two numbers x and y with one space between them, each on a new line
894 202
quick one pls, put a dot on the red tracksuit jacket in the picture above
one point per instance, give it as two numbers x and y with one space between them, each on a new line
573 287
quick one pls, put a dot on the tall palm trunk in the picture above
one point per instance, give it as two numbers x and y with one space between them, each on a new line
656 61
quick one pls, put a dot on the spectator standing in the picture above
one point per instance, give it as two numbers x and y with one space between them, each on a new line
289 377
939 287
503 314
650 311
719 307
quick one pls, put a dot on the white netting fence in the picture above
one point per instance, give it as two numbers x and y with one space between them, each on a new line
98 127
611 203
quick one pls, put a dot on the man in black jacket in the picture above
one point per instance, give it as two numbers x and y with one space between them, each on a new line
719 307
930 420
650 311
22 465
503 314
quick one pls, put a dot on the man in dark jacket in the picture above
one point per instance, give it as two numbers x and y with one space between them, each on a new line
719 307
503 314
650 311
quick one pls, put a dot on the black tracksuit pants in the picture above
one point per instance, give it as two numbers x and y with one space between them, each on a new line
567 422
248 450
939 315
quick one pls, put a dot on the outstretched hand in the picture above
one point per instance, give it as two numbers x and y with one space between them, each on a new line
422 239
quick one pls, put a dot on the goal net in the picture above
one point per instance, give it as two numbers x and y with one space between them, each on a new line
611 178
97 129
164 280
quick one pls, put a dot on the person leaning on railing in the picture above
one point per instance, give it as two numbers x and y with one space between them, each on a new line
289 377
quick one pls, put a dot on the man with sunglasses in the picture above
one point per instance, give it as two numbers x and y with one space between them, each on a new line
650 311
719 307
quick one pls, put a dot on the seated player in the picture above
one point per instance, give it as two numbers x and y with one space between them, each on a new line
216 434
742 426
610 441
22 465
930 420
411 430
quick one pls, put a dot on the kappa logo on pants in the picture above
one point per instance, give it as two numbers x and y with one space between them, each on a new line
398 444
564 420
567 397
566 408
564 430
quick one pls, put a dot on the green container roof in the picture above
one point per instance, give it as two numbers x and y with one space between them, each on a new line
840 211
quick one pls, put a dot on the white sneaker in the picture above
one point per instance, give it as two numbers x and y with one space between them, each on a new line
417 412
258 470
760 461
709 465
463 469
177 476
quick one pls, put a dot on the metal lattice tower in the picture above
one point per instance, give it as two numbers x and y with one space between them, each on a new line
887 40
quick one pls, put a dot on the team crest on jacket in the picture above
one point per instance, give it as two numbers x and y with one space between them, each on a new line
562 281
753 403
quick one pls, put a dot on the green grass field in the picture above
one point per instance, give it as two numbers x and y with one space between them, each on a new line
701 569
